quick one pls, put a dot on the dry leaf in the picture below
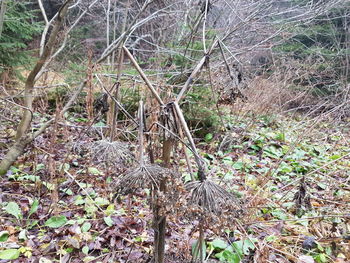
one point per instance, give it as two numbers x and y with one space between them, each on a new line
305 259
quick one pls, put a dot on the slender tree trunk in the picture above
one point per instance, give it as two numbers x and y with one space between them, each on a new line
2 15
29 84
16 150
112 114
107 27
23 137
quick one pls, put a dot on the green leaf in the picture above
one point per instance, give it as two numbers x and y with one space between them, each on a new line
4 235
227 160
238 165
34 207
186 177
99 124
280 137
79 200
280 214
9 254
255 147
13 209
23 235
323 186
39 167
209 156
71 222
89 259
94 171
90 207
64 166
304 222
271 238
109 180
85 250
32 223
336 220
243 247
298 154
140 238
285 168
335 157
219 243
56 221
85 227
228 256
101 201
321 258
49 186
67 191
208 137
110 210
80 220
108 220
273 152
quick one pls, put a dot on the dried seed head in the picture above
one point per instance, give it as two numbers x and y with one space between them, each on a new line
108 153
146 176
212 197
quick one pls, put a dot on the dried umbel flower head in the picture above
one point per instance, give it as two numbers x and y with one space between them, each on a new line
145 176
108 153
212 198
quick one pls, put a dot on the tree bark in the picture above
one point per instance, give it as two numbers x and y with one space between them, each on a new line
29 84
16 150
108 28
2 15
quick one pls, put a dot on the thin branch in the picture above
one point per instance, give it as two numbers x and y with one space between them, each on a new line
43 12
66 36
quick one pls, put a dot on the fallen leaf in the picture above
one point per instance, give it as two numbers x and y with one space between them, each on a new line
305 259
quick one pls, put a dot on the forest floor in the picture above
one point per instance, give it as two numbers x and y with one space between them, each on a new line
292 175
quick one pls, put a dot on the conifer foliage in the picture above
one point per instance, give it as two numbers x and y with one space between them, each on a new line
19 28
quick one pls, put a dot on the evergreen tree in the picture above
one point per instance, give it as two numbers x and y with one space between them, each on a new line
19 28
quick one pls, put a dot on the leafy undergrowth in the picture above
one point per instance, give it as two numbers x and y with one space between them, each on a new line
293 177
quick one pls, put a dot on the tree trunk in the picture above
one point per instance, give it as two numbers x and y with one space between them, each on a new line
23 138
2 15
107 28
16 150
28 88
